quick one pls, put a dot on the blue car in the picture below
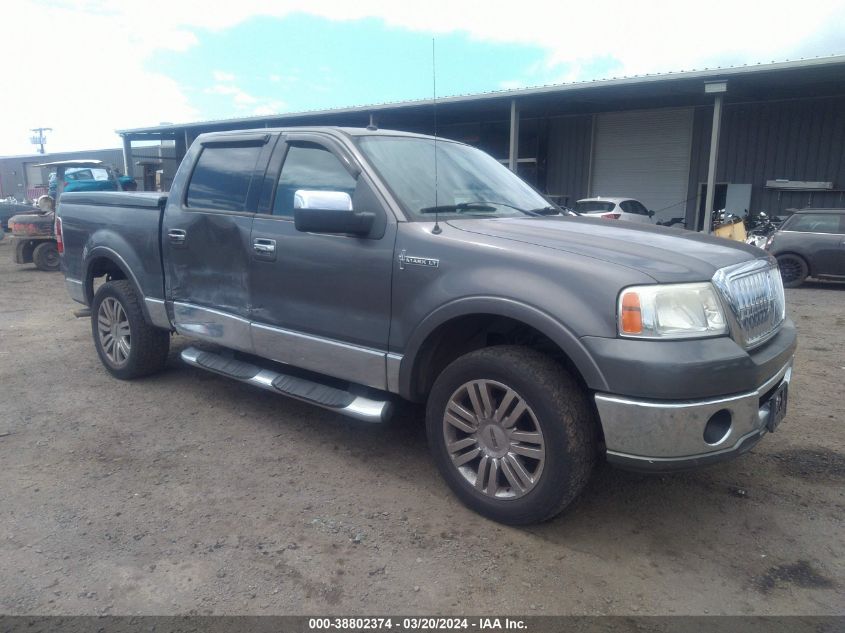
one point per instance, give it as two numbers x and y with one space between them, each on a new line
85 175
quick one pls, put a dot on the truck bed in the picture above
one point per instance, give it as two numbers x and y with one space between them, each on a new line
115 222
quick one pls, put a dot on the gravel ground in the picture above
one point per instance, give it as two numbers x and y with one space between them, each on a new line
191 493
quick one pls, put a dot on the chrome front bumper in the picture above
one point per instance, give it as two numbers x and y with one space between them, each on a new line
660 436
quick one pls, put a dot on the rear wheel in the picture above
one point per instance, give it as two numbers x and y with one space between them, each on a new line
46 256
793 270
511 433
128 346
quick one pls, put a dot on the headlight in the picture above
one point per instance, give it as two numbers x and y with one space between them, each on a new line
671 311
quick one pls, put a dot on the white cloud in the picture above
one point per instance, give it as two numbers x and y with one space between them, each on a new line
645 36
239 98
116 39
243 101
82 73
271 107
243 98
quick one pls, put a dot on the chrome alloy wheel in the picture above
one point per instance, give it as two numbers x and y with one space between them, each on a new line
494 439
113 328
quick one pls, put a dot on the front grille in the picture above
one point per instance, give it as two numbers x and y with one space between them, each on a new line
754 294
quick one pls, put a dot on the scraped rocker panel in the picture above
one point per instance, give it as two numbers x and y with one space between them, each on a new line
357 364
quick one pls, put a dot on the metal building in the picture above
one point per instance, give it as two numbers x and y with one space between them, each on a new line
22 178
779 130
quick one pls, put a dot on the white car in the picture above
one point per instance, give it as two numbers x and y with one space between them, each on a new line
615 209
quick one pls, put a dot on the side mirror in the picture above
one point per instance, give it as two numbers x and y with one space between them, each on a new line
650 213
329 212
329 200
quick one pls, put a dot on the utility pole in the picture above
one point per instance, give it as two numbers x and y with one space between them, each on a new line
38 138
718 88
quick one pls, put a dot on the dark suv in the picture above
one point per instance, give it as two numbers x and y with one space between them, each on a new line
811 243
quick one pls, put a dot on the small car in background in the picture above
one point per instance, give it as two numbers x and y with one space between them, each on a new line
615 209
811 243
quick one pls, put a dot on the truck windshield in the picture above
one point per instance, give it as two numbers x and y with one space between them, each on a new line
470 183
86 173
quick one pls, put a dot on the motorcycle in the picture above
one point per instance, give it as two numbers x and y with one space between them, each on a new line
760 228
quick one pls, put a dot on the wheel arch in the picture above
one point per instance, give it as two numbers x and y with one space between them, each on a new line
104 261
472 323
802 257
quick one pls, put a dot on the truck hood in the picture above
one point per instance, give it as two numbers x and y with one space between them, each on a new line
665 254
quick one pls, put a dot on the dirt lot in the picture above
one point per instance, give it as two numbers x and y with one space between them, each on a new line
190 493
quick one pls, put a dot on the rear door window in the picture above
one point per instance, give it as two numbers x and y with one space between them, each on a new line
222 177
78 174
591 206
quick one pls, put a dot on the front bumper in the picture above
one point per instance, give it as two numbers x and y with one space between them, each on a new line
659 435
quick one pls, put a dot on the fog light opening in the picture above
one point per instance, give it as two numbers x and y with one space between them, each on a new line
718 427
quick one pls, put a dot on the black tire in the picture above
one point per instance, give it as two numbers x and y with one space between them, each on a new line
46 257
793 269
148 345
562 413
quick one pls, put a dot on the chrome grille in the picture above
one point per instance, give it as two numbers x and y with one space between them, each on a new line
754 292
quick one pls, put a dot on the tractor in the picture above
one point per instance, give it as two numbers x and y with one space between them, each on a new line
33 234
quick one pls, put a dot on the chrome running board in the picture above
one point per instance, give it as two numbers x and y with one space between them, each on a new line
309 391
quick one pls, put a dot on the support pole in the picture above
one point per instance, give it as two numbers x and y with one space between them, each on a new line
180 147
128 170
711 169
513 154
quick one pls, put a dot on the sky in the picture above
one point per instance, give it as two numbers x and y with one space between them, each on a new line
88 67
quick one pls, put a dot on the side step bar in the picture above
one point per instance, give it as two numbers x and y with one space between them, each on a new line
309 391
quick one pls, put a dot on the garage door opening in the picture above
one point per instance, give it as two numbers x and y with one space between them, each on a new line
720 196
644 155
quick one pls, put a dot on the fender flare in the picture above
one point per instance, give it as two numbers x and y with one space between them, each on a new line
104 252
556 331
795 253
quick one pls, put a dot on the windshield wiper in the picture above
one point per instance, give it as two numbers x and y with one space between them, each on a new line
477 205
549 210
452 208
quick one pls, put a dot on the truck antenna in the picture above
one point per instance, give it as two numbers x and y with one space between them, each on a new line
436 230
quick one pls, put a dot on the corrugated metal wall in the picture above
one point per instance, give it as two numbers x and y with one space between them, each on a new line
568 157
798 140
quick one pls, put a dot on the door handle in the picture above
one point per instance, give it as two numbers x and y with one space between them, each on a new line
262 245
176 236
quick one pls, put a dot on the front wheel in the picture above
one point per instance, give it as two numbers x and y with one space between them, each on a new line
128 346
512 434
793 270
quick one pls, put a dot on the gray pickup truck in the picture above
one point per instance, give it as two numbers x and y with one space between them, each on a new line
349 267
